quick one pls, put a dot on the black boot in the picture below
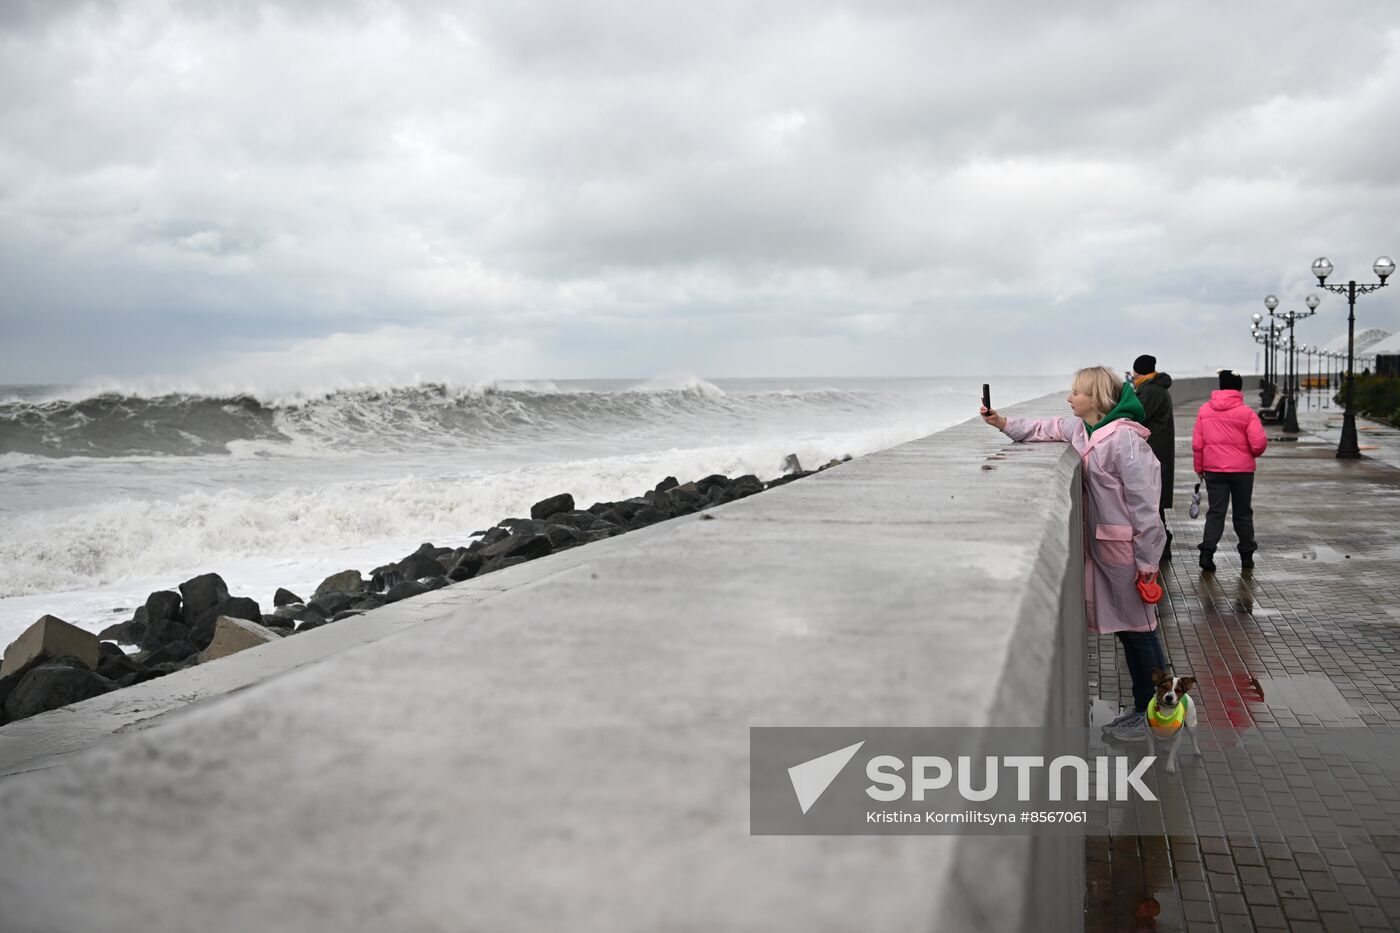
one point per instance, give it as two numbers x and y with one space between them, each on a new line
1208 560
1167 551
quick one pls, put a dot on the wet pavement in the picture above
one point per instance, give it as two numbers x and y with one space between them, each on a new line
1309 641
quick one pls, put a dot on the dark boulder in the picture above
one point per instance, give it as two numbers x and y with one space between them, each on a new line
625 509
7 684
381 578
523 526
114 663
405 590
280 630
563 536
603 530
436 583
331 603
545 508
311 623
285 598
577 519
784 480
163 604
703 486
51 685
418 566
162 621
661 502
308 613
235 607
492 536
120 632
347 581
741 487
467 565
200 594
173 652
162 632
598 508
346 614
669 482
644 516
525 546
368 603
502 564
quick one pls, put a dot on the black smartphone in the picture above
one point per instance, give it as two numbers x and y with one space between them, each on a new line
986 396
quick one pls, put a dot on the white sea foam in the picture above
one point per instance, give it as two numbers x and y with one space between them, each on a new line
82 535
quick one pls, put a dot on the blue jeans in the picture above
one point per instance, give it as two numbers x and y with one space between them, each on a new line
1143 651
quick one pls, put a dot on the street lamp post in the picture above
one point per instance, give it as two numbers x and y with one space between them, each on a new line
1305 350
1347 447
1290 404
1260 338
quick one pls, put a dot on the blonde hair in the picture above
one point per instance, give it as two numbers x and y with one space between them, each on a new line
1101 384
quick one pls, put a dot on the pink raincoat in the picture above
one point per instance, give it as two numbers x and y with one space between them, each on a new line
1123 533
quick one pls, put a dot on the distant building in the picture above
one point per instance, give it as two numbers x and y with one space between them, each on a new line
1387 354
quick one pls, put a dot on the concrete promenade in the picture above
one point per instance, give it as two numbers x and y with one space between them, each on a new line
565 744
1310 638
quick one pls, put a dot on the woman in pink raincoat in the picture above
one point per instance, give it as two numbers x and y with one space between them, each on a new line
1123 533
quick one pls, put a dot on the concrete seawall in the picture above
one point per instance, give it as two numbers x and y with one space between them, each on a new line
565 743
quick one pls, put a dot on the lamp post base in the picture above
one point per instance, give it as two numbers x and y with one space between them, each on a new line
1347 448
1290 415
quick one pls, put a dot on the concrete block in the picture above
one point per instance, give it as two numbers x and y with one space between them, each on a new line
234 635
50 637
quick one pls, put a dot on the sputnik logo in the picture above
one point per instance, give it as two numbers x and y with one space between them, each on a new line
811 778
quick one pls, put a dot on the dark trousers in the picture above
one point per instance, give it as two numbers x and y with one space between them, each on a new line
1233 491
1143 652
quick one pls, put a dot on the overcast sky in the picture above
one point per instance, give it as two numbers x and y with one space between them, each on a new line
242 194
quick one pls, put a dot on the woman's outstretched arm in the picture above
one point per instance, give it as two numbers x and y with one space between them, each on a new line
1030 429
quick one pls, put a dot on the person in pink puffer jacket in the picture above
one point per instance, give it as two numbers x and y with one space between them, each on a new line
1226 442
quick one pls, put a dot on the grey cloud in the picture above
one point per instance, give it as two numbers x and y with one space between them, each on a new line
710 183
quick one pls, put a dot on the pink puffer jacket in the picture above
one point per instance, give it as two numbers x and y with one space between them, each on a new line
1228 437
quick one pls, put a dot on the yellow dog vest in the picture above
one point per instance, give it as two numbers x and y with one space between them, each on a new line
1169 723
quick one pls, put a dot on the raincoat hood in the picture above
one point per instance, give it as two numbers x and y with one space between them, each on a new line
1225 399
1128 407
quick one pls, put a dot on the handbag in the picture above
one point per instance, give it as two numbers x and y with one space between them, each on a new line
1195 510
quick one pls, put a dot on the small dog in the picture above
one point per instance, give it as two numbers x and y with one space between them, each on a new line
1171 714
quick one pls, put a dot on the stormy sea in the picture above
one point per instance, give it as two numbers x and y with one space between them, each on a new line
108 495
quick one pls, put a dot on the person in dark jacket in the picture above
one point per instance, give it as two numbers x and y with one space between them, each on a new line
1154 391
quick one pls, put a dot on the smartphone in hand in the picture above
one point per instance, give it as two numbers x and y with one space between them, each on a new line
986 396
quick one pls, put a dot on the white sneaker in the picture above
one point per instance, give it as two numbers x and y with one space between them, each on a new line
1121 718
1132 729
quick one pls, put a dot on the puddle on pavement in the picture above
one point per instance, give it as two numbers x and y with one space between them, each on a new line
1101 712
1323 554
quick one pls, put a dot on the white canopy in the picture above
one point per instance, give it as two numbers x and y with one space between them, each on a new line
1366 340
1389 346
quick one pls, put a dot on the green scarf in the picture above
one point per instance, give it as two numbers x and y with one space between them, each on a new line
1128 407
